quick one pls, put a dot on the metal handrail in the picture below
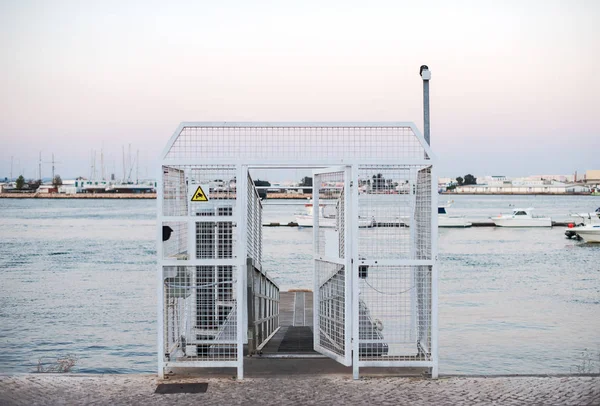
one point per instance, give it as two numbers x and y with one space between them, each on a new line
263 307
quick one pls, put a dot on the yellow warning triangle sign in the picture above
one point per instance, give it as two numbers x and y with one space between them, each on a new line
199 196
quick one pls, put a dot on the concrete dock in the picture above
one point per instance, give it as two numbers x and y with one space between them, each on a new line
328 389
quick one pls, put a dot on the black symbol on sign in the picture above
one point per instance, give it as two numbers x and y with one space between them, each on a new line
199 196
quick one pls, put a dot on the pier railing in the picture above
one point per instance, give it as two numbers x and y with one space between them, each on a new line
263 307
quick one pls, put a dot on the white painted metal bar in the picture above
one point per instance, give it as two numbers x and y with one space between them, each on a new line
434 276
329 259
396 262
392 364
349 220
196 219
240 254
316 293
199 262
160 300
354 274
277 163
201 364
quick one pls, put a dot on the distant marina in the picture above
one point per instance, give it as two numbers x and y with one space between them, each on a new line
129 188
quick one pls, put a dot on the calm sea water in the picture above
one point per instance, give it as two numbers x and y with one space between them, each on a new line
78 277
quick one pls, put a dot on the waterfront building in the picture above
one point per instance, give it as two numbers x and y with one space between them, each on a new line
592 177
507 187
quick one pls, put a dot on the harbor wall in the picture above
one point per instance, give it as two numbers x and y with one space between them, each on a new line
78 196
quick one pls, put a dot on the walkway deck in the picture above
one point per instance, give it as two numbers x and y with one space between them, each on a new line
295 335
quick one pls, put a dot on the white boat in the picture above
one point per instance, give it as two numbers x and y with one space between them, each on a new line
588 233
589 230
327 217
521 218
445 220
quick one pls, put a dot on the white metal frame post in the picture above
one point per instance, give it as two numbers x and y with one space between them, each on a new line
349 220
354 273
315 199
434 274
240 254
160 302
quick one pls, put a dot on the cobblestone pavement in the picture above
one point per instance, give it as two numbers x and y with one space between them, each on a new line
34 389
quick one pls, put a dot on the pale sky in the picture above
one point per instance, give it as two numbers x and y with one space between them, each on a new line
515 87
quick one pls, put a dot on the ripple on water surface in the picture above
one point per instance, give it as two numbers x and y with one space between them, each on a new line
78 277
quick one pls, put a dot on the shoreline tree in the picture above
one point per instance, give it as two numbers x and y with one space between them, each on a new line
57 181
20 182
470 180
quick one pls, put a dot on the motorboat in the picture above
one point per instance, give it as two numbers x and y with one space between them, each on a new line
327 217
521 218
446 220
588 230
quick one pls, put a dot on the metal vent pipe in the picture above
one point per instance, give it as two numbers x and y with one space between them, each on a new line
426 75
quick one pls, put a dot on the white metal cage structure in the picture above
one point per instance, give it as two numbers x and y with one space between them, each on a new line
375 272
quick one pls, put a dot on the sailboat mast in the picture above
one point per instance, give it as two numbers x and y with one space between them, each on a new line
124 169
102 164
129 164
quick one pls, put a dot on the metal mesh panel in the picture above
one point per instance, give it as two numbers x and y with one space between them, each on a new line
331 212
423 214
331 294
200 309
254 229
394 300
296 142
174 192
331 306
386 199
180 182
394 313
424 300
200 313
175 240
215 239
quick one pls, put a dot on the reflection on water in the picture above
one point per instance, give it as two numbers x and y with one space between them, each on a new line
78 276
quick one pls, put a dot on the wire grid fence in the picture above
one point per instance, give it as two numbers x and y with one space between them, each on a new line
395 300
331 207
254 222
423 214
263 297
174 192
263 307
282 143
200 309
331 306
331 276
394 313
175 240
385 195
